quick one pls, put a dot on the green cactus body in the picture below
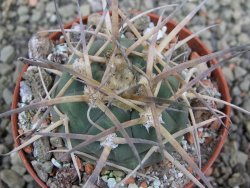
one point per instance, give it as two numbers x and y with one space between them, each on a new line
122 155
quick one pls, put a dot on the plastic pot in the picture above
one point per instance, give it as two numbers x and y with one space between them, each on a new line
195 44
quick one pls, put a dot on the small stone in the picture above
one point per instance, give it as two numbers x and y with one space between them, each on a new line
111 174
133 185
95 5
118 173
246 105
179 175
157 182
5 69
19 169
228 73
28 178
79 163
144 185
243 38
24 120
40 171
39 46
239 72
160 34
59 156
242 157
7 96
47 166
105 172
41 149
56 163
130 180
50 7
52 18
89 168
240 168
23 18
245 85
149 4
237 100
248 127
66 176
32 79
105 178
16 160
111 182
11 178
3 149
5 163
246 177
236 30
2 33
236 91
75 186
56 142
25 92
58 57
85 9
236 180
118 179
36 16
50 183
67 10
22 10
7 54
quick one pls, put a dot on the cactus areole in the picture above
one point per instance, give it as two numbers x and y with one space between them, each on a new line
123 73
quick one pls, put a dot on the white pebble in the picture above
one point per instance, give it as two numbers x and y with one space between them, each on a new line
160 33
180 175
165 177
105 178
184 144
56 163
171 178
25 92
156 183
111 182
62 48
201 129
201 140
151 25
132 185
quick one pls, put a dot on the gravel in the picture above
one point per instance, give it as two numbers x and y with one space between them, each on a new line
5 69
22 10
41 149
7 96
231 169
7 54
239 72
11 178
67 11
42 174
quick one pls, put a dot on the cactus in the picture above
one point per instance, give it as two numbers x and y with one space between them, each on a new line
119 97
173 121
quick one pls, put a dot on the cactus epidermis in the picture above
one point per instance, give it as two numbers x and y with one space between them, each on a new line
122 76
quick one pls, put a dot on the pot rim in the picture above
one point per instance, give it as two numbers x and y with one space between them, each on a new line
195 44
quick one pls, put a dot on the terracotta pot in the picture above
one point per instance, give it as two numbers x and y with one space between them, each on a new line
195 44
